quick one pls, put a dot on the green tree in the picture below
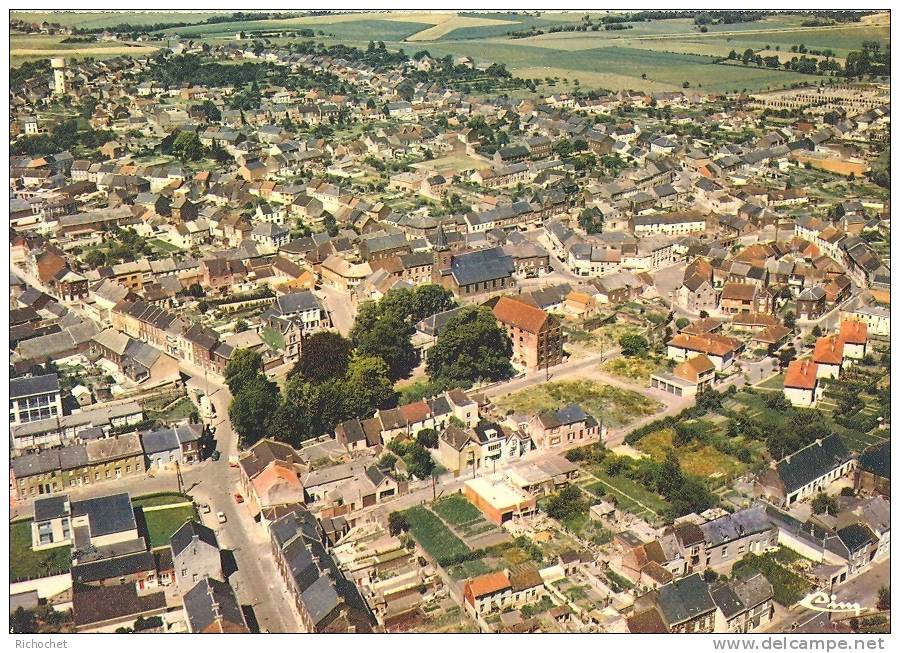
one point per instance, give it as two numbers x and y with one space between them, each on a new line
389 339
428 438
884 598
418 460
211 111
397 523
245 366
470 348
367 386
566 504
430 299
252 409
681 323
325 355
187 146
22 621
633 345
822 504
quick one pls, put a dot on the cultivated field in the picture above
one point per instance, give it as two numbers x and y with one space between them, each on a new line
655 55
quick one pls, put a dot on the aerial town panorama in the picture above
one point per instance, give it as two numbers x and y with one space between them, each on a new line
434 322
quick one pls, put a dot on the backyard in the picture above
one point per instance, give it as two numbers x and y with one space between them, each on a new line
615 406
163 514
788 586
25 563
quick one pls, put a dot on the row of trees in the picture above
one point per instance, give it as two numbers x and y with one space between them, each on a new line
315 398
338 378
64 136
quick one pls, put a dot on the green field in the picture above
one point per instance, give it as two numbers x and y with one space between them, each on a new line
162 523
92 19
431 533
456 510
615 406
372 29
652 55
25 563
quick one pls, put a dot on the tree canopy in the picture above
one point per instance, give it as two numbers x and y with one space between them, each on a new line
471 347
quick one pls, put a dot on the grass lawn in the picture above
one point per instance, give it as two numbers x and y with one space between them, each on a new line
788 586
696 458
431 533
161 524
163 246
616 406
468 569
182 409
456 510
628 493
25 563
272 338
637 370
773 383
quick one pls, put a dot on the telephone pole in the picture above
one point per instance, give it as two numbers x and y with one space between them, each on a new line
179 477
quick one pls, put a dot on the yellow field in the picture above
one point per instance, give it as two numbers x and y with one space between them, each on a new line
451 22
787 56
591 79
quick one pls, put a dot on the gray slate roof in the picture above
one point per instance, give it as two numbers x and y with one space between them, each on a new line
33 385
812 462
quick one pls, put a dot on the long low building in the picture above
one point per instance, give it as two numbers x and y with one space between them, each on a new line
498 498
64 430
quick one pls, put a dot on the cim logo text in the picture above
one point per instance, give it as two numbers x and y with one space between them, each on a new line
823 602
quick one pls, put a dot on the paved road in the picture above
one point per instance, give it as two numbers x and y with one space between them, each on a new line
256 580
340 307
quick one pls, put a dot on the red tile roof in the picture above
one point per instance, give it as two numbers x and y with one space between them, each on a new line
488 584
853 332
801 374
416 412
693 368
829 350
711 343
519 314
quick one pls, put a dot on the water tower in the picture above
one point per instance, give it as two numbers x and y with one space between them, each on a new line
59 75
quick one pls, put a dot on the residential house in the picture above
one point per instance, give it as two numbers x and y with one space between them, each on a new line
689 378
195 554
806 472
564 426
743 605
801 383
325 600
721 350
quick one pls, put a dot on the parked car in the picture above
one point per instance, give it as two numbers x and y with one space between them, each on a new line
238 498
221 517
205 509
215 455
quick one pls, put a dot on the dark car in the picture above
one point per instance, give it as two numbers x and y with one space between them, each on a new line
215 455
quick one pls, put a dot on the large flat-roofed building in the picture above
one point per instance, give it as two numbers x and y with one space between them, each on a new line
32 398
92 522
499 499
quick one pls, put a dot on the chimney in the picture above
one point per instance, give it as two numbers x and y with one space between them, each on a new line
819 441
